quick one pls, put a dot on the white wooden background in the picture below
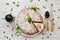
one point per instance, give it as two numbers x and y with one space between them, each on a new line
7 30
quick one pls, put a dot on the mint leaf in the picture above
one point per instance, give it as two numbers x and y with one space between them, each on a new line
17 29
34 7
28 18
17 5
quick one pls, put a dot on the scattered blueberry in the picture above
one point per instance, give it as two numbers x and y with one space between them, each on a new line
18 2
59 9
57 17
25 38
7 3
42 33
54 10
3 18
53 19
58 27
11 13
47 36
18 35
42 37
9 39
44 7
3 31
7 25
46 0
6 37
50 34
11 9
13 2
30 0
38 0
12 35
14 17
25 6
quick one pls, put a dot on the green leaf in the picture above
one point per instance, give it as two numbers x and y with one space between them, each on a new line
28 18
34 7
17 5
17 30
16 33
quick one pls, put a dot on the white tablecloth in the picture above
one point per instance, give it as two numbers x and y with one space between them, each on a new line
7 30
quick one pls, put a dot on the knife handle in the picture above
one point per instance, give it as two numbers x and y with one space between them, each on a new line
51 24
46 25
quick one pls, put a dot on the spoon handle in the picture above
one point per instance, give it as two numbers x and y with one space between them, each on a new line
46 25
52 27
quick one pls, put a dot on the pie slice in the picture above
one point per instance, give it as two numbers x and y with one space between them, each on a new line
39 26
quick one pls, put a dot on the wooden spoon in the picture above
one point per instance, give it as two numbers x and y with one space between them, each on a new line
51 21
47 15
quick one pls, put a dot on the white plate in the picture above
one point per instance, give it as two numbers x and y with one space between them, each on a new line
30 35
